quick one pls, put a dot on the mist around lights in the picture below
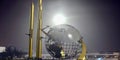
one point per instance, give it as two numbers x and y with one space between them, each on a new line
59 19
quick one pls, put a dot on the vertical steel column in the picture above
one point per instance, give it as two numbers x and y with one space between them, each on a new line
83 54
39 33
31 30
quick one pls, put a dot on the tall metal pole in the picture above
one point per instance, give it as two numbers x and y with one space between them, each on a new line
83 54
31 31
39 33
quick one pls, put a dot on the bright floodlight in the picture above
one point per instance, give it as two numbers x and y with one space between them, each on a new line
59 19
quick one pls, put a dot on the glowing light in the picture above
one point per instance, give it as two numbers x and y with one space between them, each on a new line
99 59
2 49
70 36
84 58
59 19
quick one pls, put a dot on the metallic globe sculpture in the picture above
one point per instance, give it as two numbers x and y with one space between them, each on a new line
63 41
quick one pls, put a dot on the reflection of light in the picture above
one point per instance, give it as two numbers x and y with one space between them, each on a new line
70 36
99 59
59 19
84 58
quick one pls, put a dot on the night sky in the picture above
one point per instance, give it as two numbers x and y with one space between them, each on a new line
97 21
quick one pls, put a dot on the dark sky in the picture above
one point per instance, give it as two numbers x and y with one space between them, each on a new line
97 21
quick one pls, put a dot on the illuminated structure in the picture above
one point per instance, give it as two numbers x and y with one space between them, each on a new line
94 56
31 31
39 34
65 42
103 56
2 49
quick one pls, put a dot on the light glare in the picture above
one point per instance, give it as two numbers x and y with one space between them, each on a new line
70 36
59 19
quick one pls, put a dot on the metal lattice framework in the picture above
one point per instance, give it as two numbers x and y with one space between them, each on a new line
39 40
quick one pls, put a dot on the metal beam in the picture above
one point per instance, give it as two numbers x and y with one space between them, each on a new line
31 31
39 33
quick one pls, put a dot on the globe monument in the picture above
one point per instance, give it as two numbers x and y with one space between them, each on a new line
63 42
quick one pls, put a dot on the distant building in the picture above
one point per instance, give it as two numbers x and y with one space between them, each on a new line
104 56
8 53
2 49
94 56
